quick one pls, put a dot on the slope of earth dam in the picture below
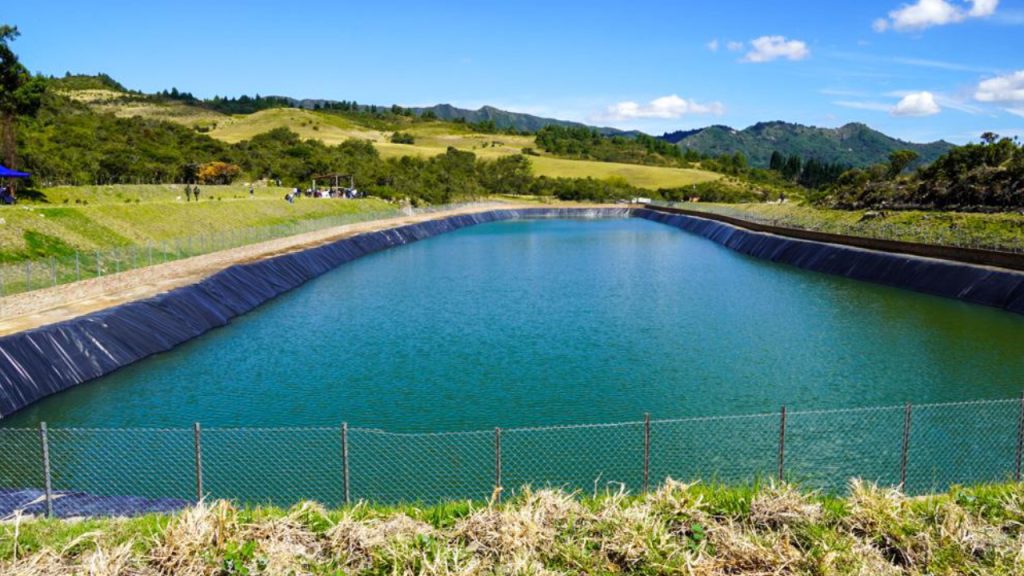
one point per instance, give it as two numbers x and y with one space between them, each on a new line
557 321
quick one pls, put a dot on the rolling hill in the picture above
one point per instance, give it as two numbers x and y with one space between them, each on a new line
853 144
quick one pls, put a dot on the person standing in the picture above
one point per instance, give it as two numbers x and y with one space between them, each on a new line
195 192
188 193
252 191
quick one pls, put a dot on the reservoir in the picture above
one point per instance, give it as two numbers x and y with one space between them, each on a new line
546 322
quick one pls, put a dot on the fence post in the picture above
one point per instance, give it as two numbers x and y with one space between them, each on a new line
498 489
1020 437
906 446
782 443
44 443
53 269
78 266
647 451
28 275
197 435
344 460
99 270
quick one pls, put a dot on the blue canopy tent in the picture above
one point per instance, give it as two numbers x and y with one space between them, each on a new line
6 172
7 192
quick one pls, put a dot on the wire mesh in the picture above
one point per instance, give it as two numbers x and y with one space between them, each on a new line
591 458
727 449
279 466
104 471
129 471
21 471
387 467
965 443
824 449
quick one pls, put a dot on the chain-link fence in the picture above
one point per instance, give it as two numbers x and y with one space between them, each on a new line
980 237
926 448
34 274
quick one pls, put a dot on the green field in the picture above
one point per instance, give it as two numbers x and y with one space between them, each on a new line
101 217
1001 231
679 529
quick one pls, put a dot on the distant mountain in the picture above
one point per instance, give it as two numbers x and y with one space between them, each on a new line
506 119
854 144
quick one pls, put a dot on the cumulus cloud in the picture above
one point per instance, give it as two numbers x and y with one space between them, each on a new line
1006 88
927 13
713 45
768 48
665 107
917 104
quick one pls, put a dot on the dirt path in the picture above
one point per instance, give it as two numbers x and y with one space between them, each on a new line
50 305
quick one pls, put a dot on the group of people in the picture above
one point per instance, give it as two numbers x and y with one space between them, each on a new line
6 195
191 191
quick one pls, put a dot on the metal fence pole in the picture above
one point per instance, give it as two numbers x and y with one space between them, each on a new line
782 443
197 434
647 451
78 266
344 461
498 489
906 446
1020 437
53 269
44 443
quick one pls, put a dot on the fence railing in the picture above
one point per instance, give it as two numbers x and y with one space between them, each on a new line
937 235
923 448
28 275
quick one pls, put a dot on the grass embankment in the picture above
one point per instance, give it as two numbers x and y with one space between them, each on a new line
1004 231
91 218
680 529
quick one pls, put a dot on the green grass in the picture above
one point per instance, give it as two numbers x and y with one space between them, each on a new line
1003 231
679 529
93 218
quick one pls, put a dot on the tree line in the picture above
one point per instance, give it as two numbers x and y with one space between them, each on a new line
985 175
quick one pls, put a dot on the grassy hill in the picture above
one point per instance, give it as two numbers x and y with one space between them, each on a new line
853 144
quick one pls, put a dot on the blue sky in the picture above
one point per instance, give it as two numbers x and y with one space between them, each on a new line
917 69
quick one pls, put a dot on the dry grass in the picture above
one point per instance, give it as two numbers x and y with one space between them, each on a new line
679 529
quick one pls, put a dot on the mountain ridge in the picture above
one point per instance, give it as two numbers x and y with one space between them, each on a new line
854 143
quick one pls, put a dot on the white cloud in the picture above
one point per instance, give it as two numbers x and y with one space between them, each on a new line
1006 88
927 13
665 107
768 48
734 46
1016 111
917 104
713 45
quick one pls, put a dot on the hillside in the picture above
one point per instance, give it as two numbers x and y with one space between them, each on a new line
854 144
503 119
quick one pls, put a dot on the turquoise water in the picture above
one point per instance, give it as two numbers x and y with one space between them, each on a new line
527 323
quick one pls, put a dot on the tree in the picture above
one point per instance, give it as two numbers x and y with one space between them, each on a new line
792 168
218 173
13 99
777 161
899 160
